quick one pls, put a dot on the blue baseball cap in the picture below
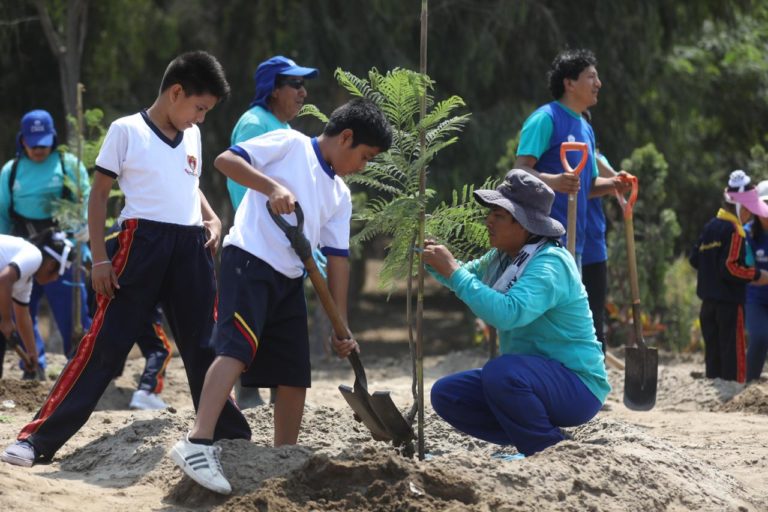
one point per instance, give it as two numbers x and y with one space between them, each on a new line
37 129
269 70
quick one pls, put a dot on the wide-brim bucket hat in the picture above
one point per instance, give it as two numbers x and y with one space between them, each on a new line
528 199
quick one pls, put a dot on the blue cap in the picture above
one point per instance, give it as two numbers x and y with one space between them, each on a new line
267 72
37 129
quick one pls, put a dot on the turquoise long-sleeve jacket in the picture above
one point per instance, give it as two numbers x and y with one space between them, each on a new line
545 313
37 185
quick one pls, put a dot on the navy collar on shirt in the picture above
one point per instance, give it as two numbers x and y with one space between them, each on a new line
173 143
326 167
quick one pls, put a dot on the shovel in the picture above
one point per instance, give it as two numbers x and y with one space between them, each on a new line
14 342
565 147
377 412
641 361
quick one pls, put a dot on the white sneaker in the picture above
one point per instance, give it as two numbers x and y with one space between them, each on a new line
202 464
146 401
21 453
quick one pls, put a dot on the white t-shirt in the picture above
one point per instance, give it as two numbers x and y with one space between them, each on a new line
159 177
293 160
27 258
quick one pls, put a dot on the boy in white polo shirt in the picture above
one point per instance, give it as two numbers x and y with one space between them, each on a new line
163 254
42 259
262 315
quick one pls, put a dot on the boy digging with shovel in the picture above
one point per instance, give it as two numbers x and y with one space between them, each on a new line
262 316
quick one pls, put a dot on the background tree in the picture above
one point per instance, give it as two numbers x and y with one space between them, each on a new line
689 77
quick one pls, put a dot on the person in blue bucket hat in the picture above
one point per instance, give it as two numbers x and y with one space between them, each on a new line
30 183
280 94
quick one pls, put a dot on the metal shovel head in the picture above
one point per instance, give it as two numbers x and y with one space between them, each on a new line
360 402
399 429
640 378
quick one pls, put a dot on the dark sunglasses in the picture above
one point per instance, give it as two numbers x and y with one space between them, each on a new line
296 83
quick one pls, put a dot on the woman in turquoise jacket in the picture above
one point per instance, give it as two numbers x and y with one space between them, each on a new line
30 183
551 372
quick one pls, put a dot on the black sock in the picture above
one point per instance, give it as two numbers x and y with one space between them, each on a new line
195 440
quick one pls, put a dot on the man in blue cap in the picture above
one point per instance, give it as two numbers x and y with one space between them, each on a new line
280 94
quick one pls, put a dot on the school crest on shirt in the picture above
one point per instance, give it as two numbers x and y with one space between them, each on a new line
191 168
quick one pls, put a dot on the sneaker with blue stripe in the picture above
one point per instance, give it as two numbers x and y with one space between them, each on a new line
202 464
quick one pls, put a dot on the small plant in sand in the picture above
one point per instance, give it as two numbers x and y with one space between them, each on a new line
393 178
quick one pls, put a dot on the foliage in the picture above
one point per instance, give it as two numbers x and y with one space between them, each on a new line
655 228
394 175
688 76
459 224
70 214
681 304
312 111
507 160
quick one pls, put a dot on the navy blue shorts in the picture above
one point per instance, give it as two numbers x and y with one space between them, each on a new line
262 321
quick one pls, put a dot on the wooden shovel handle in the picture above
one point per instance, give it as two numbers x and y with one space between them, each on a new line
628 204
565 147
300 245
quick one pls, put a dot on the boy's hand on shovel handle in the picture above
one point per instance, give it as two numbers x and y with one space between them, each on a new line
344 347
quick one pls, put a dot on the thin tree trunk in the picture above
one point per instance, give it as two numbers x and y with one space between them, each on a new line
422 216
67 47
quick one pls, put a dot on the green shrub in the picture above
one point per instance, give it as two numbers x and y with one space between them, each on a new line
681 305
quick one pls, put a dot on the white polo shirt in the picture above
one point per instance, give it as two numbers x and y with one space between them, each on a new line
159 177
293 160
24 256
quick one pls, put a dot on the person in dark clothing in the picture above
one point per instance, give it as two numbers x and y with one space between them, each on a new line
725 266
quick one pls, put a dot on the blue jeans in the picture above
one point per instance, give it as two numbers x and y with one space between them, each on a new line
59 295
757 327
520 400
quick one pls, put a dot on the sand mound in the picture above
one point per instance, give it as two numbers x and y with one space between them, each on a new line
375 480
690 453
26 395
753 400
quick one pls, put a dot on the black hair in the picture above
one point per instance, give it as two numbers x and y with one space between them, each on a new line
368 124
568 64
56 240
198 73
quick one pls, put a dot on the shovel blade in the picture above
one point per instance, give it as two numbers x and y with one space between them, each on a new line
640 378
391 417
360 402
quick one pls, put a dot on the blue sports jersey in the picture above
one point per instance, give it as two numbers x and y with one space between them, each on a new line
595 249
566 126
758 294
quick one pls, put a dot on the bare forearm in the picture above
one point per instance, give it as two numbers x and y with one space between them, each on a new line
97 216
205 207
601 187
338 283
234 167
25 329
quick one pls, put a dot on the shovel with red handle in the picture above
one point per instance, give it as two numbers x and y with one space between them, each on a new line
376 411
641 362
565 147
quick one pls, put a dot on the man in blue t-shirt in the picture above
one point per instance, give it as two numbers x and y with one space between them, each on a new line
574 84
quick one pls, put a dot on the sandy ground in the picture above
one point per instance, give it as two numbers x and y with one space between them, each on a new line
702 448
